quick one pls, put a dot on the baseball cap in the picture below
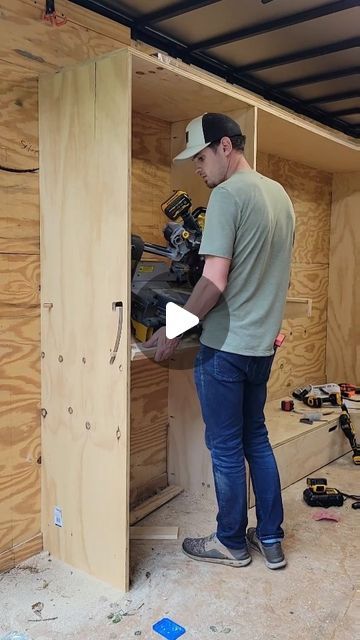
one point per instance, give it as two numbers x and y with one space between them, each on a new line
204 130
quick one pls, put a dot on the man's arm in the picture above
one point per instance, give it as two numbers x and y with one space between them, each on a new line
209 288
203 298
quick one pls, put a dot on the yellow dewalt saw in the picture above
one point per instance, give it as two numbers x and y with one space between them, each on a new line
157 282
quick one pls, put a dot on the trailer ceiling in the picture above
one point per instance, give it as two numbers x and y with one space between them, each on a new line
302 54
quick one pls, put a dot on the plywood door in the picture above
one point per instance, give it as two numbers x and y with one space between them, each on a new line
343 337
84 187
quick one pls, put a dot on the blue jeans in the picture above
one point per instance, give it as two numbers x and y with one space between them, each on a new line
232 394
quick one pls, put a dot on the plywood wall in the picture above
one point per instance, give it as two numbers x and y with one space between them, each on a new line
149 428
151 166
28 48
36 47
343 343
19 321
302 359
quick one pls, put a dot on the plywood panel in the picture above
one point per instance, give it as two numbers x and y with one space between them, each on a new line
19 213
19 125
301 449
28 42
310 192
6 523
19 284
19 315
301 457
305 454
86 268
149 426
150 176
174 93
12 74
300 140
281 132
19 430
189 459
183 176
343 344
89 20
302 357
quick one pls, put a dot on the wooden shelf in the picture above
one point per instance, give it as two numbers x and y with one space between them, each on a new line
284 426
295 308
139 353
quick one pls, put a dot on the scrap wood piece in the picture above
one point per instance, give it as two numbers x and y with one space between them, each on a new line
153 503
154 533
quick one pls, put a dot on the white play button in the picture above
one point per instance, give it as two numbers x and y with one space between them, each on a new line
178 320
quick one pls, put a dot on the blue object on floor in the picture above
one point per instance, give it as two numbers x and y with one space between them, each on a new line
168 629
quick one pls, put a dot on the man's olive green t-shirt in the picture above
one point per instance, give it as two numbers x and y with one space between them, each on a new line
250 220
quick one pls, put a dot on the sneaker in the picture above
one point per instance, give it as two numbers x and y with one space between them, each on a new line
273 553
210 549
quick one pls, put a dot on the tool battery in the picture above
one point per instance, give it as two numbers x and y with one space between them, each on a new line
318 494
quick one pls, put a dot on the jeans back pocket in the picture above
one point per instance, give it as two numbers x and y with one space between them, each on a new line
229 367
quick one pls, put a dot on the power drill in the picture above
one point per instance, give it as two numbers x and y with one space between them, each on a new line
316 402
318 494
349 432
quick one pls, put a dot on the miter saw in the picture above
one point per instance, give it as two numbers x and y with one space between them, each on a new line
171 279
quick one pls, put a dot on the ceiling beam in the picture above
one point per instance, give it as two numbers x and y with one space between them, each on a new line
334 97
318 77
174 10
180 50
345 112
274 25
298 56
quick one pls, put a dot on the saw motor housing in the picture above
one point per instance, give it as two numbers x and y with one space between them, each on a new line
157 282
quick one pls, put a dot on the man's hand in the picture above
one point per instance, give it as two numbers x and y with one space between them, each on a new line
164 346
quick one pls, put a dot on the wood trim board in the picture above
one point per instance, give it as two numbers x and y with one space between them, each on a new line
154 533
11 558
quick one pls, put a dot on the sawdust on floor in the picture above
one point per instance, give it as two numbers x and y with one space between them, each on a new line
315 597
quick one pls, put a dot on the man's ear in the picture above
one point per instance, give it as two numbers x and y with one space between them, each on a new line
226 145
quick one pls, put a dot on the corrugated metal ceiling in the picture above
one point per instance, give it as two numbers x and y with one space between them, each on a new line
303 54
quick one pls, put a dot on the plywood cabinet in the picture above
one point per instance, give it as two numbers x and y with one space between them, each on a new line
117 429
85 169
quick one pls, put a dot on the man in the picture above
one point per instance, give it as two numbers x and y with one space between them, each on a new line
247 244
